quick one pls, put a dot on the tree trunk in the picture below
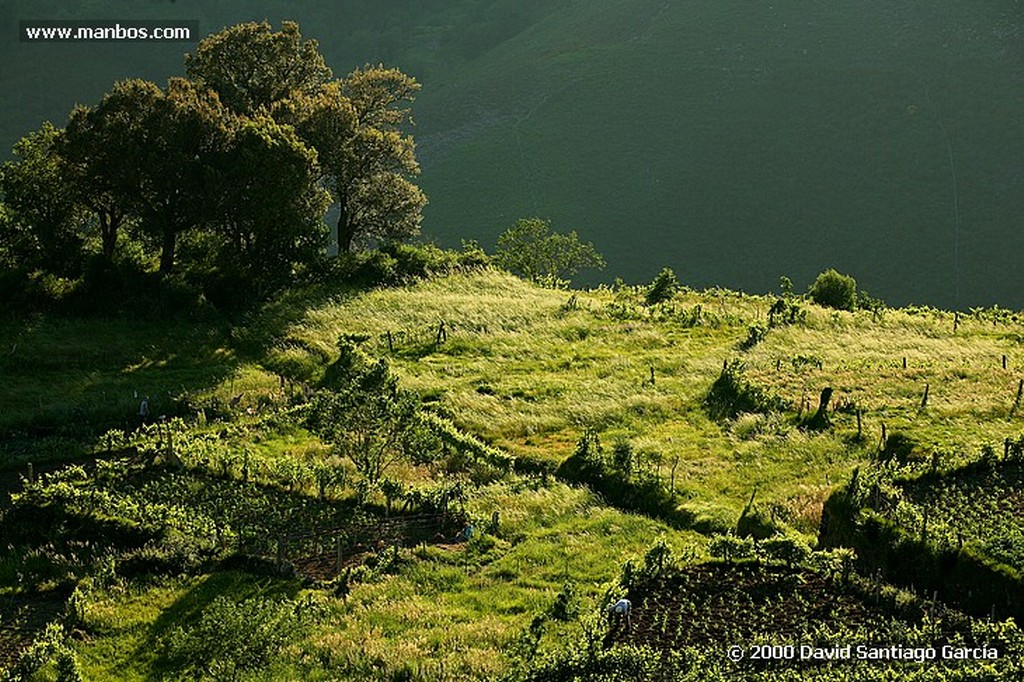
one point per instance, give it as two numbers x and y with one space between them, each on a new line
167 251
110 222
346 231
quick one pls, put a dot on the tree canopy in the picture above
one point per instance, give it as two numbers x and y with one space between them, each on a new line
224 175
41 225
531 250
252 68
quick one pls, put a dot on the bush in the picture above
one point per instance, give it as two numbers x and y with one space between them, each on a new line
531 250
834 290
732 395
730 547
785 550
663 288
567 604
232 638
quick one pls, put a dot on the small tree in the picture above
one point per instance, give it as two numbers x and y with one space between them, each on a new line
663 288
529 249
834 290
372 423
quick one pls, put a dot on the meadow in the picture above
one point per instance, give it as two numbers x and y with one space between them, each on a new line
164 535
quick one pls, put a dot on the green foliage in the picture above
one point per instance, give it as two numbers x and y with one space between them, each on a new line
231 638
642 492
784 549
372 422
732 394
50 657
40 222
755 335
531 250
663 288
731 547
356 126
657 561
832 289
785 311
270 211
566 606
252 69
786 286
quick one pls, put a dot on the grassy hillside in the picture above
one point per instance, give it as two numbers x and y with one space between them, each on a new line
143 546
738 142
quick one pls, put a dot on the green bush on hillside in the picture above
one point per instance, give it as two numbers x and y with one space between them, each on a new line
531 250
663 288
833 289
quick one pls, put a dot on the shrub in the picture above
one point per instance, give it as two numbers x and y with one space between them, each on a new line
663 288
530 250
785 550
567 604
732 395
730 547
834 290
755 335
233 638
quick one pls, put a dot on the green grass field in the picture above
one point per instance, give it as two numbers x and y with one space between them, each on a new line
525 368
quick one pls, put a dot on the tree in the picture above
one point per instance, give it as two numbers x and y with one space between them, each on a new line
368 161
172 145
834 290
371 422
252 68
355 124
270 203
663 288
42 224
98 150
529 249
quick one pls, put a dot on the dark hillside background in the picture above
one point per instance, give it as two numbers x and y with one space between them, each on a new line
730 140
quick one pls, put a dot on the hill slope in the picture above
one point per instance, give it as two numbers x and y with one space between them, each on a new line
738 142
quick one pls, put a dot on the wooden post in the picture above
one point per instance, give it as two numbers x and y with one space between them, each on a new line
391 342
904 362
883 437
652 375
860 432
675 463
924 399
1004 361
778 364
1020 394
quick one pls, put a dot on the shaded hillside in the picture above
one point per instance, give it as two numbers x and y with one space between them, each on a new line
737 142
